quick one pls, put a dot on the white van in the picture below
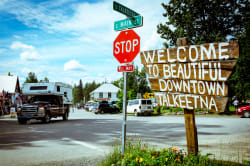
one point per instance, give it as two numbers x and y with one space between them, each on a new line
139 106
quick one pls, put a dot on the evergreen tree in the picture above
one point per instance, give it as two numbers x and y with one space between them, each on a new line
136 83
88 88
210 21
239 82
44 80
204 21
31 78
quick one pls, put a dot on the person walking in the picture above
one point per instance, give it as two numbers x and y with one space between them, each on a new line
236 103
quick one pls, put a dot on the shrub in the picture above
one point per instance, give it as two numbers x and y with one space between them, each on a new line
139 154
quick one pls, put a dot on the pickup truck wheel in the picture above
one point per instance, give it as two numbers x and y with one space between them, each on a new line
246 114
22 121
136 113
46 118
65 116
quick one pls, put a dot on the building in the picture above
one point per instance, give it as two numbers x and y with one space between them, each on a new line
9 92
106 92
9 84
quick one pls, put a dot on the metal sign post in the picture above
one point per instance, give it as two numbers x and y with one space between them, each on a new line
125 48
124 112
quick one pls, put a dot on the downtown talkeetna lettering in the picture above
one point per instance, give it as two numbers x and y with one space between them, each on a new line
190 86
190 101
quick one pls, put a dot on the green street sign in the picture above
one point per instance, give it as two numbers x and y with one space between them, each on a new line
132 22
124 10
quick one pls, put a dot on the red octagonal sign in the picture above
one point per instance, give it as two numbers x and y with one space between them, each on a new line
126 46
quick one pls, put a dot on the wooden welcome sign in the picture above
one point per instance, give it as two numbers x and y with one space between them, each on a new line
191 77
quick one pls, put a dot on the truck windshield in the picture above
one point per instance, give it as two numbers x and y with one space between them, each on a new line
43 99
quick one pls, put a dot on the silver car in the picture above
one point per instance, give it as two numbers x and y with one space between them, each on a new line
93 107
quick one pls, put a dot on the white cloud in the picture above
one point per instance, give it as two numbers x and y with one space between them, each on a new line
16 45
73 65
81 31
28 53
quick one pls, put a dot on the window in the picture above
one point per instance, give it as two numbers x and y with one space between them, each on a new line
100 95
133 102
109 95
38 87
149 102
58 88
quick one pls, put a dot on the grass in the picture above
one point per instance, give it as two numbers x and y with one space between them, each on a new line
138 153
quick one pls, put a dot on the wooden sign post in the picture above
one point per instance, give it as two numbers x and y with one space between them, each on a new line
191 130
191 77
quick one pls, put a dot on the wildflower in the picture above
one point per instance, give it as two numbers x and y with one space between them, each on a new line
164 149
166 159
141 160
175 150
147 164
153 157
136 159
177 159
143 150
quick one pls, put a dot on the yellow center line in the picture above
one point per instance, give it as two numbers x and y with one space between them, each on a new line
14 132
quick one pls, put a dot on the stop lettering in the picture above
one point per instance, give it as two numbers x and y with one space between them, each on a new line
126 46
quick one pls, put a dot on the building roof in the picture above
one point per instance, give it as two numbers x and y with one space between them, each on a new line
106 88
9 84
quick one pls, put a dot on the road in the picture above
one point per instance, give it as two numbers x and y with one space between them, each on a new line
86 136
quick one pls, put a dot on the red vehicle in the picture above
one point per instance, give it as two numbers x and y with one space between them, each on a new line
244 111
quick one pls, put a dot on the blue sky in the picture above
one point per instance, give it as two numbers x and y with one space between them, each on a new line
69 40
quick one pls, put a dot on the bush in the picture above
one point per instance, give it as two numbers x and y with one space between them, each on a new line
139 154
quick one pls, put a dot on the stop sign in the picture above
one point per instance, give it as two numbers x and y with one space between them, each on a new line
126 46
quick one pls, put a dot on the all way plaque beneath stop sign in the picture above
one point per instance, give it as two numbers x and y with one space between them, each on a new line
126 46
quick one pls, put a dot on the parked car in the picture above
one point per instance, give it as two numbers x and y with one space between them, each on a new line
244 111
140 106
114 103
93 107
87 107
106 108
79 106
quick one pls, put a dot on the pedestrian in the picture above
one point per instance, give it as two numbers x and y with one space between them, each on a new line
6 108
1 109
12 111
236 103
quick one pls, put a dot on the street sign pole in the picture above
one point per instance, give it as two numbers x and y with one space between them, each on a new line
132 40
124 112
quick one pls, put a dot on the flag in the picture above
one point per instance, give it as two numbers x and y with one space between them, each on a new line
6 94
3 94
